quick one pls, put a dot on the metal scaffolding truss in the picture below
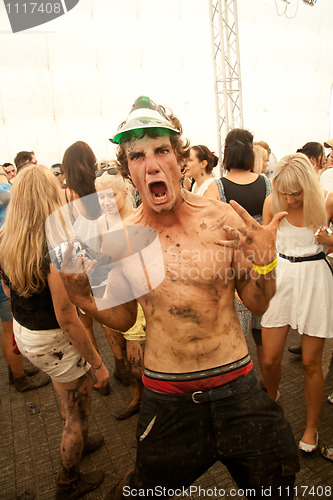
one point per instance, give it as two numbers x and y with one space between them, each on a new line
226 64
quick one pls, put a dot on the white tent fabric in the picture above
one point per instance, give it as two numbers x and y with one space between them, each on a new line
287 72
75 78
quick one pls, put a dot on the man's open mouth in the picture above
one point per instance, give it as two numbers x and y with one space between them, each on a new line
159 191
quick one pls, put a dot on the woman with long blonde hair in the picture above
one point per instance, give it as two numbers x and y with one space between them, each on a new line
46 325
304 294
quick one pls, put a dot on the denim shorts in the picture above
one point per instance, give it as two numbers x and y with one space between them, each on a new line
52 352
238 424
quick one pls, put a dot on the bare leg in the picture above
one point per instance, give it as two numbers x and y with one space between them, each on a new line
63 413
135 351
256 334
260 353
14 361
16 373
75 406
312 350
273 341
117 343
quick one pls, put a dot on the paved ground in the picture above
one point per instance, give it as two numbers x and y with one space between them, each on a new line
29 443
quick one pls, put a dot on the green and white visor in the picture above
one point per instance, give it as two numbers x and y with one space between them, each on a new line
144 114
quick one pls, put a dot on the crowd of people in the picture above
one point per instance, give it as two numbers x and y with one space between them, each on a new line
176 328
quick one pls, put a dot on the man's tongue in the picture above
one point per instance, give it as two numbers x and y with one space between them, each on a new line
158 189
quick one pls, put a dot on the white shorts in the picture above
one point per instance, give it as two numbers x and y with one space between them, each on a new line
52 352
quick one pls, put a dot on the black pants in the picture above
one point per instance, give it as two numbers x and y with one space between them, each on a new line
178 440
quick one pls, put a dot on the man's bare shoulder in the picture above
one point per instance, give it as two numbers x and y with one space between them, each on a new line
134 218
214 211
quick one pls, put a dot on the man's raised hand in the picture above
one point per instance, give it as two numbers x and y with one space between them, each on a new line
257 242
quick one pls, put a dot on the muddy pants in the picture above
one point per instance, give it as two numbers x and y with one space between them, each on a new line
180 436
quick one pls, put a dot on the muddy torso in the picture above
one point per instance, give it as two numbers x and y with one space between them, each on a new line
191 320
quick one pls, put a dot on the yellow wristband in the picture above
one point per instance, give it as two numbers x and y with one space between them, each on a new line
265 269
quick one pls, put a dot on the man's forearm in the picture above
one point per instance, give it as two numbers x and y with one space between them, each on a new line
120 317
257 291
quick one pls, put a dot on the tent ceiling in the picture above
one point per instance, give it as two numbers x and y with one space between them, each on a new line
76 77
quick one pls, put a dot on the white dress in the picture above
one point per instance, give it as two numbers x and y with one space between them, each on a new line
304 290
87 230
203 188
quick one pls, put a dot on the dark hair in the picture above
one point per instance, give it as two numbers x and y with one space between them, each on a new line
203 153
57 165
179 144
7 164
238 150
79 167
310 149
23 157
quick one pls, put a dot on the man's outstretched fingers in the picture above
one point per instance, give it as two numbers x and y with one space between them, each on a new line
229 243
224 243
277 219
88 265
71 263
244 214
67 260
230 230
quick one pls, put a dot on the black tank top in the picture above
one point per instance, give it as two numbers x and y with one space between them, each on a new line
249 196
35 312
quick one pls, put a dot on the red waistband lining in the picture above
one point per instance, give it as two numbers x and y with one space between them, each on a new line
168 387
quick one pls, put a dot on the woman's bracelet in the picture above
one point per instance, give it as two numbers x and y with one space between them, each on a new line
95 369
265 269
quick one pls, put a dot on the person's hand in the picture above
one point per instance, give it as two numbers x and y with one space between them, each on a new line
102 375
74 272
257 242
323 235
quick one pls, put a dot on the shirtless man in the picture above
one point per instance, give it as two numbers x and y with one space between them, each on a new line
201 401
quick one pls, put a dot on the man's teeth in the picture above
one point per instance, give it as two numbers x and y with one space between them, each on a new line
160 197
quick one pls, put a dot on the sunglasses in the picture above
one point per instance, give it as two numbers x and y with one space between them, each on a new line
57 173
110 171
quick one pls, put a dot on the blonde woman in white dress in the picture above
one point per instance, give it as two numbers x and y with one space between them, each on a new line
304 292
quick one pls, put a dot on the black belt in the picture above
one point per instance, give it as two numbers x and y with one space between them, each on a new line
317 256
239 385
211 372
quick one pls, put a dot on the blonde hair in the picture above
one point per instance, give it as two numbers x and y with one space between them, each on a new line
106 163
260 154
264 145
106 181
294 173
35 195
